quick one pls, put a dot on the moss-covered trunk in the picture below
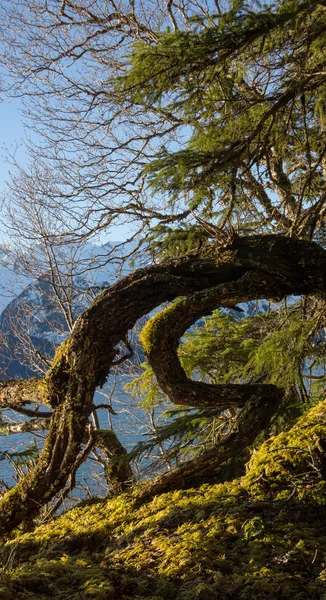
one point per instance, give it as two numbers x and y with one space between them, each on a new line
283 266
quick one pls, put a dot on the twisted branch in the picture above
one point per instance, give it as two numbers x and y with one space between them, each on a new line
285 266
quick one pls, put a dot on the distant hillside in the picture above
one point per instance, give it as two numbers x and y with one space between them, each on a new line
31 314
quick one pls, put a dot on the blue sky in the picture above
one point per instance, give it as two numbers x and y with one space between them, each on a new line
12 134
12 141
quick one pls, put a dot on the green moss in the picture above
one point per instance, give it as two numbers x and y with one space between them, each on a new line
60 364
262 536
61 355
149 333
43 389
292 462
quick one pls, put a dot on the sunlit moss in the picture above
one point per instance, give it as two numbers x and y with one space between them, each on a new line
149 333
262 536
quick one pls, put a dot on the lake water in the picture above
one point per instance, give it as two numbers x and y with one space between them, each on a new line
130 425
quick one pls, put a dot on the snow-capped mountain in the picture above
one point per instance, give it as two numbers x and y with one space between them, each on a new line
38 310
12 281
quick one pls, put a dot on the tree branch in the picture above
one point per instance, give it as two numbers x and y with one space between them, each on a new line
15 394
281 182
25 427
84 360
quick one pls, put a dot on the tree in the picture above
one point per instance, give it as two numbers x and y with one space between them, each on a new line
253 74
34 324
224 120
253 266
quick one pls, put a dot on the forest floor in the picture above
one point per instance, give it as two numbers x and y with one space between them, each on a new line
262 536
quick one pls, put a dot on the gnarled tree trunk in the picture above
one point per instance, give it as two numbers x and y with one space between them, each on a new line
278 266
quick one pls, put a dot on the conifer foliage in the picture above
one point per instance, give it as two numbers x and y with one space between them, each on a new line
249 86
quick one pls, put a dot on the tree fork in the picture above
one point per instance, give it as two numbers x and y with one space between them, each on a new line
84 360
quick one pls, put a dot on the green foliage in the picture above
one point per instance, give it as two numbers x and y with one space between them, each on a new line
220 346
273 347
145 388
168 242
281 354
246 88
185 433
282 346
253 528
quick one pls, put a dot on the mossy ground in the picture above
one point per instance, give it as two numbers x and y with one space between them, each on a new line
262 536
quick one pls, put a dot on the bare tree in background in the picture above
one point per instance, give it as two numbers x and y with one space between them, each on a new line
87 155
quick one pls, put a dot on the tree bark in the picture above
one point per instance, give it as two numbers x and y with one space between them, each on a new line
252 419
285 266
118 472
16 394
161 337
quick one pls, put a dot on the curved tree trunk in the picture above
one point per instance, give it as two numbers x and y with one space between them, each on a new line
161 335
286 266
252 419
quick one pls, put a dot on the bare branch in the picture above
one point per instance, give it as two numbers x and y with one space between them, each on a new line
25 427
